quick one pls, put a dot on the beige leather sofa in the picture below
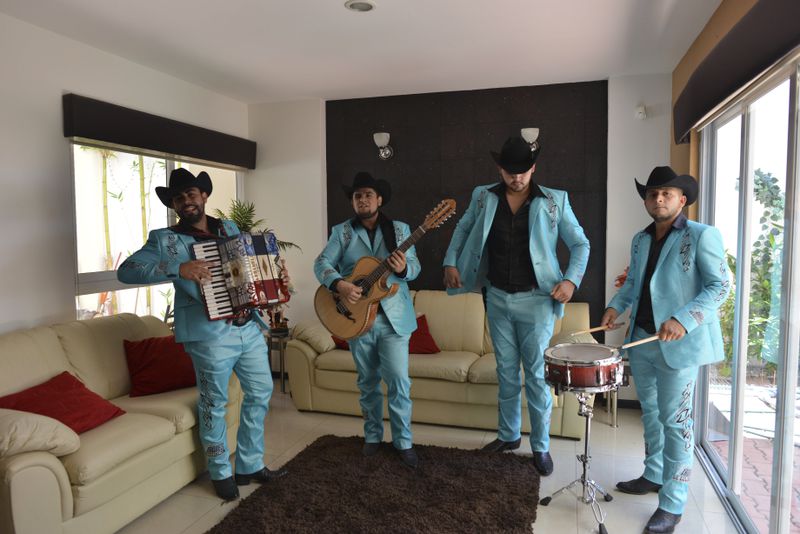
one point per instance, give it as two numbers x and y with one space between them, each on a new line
123 467
457 386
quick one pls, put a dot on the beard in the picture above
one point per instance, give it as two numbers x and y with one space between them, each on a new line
192 217
367 214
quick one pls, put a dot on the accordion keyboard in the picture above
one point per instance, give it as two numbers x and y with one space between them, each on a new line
218 301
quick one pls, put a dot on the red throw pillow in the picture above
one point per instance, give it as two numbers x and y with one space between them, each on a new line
65 399
340 343
158 364
421 341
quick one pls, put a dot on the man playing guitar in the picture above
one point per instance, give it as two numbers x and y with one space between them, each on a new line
381 352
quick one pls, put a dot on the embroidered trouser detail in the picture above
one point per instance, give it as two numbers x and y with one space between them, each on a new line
215 450
382 353
204 403
521 325
666 396
244 352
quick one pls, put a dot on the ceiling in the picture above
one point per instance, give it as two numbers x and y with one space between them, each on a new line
269 50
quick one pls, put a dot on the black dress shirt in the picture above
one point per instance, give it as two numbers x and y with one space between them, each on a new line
644 314
510 265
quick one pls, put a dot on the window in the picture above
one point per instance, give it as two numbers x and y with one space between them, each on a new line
747 403
115 209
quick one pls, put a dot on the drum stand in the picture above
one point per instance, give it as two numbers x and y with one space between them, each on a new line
590 488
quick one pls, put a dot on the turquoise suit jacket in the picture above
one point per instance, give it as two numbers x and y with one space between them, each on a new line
349 243
550 218
689 283
159 260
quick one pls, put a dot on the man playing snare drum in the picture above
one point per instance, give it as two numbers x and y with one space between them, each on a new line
676 281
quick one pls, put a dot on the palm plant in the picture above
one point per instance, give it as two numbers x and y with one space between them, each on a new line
243 215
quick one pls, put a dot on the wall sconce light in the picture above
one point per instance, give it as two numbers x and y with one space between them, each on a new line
382 142
531 135
640 112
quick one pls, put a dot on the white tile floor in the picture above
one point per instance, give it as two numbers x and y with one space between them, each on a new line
616 455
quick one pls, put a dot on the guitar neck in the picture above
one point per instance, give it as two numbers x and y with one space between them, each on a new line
381 269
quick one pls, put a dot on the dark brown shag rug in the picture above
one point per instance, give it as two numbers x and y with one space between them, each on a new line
331 487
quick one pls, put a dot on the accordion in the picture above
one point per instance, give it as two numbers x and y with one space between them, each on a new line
245 274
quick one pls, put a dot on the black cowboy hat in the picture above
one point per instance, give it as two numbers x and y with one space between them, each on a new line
365 179
516 155
666 177
179 181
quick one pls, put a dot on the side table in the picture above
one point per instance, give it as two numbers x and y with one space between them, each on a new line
278 342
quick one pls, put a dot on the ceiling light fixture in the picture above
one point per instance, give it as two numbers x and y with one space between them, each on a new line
362 6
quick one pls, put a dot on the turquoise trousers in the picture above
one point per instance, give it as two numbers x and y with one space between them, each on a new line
521 325
244 352
382 353
666 396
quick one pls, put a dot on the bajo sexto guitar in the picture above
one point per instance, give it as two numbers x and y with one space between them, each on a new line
346 320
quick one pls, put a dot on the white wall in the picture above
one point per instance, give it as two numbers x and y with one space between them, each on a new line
37 263
288 188
634 148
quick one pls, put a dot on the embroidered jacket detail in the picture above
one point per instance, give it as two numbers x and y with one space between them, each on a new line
172 246
698 316
399 232
482 200
552 210
347 235
686 248
726 283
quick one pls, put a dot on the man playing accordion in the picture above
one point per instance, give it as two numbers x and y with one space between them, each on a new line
217 348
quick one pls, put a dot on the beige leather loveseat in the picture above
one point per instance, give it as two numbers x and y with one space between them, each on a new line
123 467
457 386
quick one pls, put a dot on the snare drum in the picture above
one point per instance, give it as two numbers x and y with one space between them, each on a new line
586 367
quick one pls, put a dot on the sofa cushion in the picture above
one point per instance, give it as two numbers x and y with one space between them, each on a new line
446 365
158 364
179 406
421 341
456 322
29 357
113 443
95 350
340 343
335 360
66 399
138 469
484 370
28 432
315 335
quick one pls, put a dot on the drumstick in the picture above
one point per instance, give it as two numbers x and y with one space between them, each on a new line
640 342
597 329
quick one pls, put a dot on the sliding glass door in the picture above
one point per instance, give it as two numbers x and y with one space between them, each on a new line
747 402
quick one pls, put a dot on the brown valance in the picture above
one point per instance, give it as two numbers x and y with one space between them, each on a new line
87 119
763 36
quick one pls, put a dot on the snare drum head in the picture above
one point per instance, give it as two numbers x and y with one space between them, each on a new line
582 354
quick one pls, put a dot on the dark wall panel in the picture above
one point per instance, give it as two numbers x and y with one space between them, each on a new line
442 143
